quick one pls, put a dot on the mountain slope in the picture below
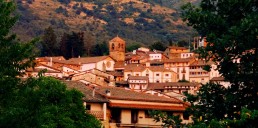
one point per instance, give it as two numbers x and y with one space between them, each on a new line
142 21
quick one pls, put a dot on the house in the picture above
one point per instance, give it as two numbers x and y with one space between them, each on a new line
94 76
119 107
138 83
173 52
46 71
180 66
177 87
199 42
220 80
93 102
197 73
103 63
156 74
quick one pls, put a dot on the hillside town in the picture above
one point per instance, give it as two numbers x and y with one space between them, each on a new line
120 88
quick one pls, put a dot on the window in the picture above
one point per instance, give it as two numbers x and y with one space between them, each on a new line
157 81
157 74
88 107
128 74
147 114
166 74
119 45
137 74
113 46
147 74
186 115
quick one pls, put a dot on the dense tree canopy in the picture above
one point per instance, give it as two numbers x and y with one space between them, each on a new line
158 46
231 29
49 43
39 102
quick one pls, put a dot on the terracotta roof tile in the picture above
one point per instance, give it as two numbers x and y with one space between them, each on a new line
179 60
119 64
115 73
134 67
154 86
122 94
159 69
86 60
201 63
86 90
148 107
138 78
54 58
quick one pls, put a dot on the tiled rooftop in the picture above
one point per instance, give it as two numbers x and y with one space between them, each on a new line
87 91
154 86
123 94
138 78
178 60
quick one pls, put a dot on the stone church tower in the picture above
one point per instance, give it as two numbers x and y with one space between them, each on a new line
117 49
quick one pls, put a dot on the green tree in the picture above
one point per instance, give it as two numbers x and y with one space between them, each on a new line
231 29
49 43
89 40
39 102
45 102
14 56
71 45
158 46
133 46
167 120
100 49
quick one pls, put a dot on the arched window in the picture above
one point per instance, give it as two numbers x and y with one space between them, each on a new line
119 45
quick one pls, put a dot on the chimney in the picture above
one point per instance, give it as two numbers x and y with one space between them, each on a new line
93 91
134 51
108 93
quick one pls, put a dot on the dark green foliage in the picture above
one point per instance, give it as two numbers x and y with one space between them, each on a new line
33 103
209 103
133 46
49 43
72 45
100 49
231 28
166 119
183 43
12 52
45 102
64 1
158 46
61 10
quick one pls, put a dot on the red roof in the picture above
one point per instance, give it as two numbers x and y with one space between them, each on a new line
147 106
